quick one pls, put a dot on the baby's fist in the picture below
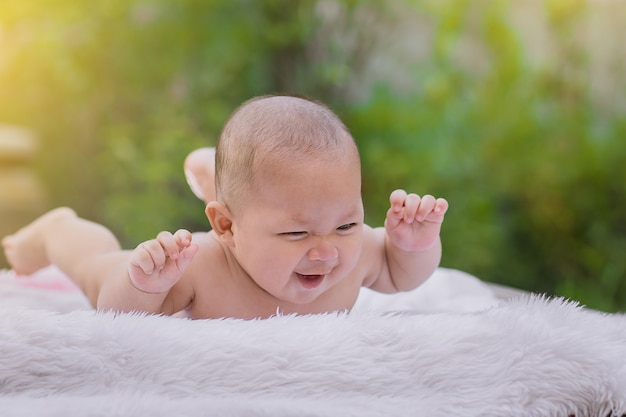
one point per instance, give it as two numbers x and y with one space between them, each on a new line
413 223
157 264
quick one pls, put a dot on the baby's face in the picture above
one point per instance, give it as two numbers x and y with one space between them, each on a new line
302 233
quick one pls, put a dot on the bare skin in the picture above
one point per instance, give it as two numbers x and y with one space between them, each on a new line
288 232
34 246
44 242
230 271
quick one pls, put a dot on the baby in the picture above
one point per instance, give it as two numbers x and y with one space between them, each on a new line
288 233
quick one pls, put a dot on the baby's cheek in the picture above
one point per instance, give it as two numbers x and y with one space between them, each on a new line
351 252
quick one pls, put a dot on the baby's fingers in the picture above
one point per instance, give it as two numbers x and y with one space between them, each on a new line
186 256
183 238
396 199
405 207
172 244
413 206
442 206
438 210
426 206
148 257
395 214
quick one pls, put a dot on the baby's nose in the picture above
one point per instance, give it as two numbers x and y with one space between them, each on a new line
324 250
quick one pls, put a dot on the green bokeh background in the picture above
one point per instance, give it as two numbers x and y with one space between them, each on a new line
443 96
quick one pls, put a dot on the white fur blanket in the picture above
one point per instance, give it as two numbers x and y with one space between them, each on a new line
526 357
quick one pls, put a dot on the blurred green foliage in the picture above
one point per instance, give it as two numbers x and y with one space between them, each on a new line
119 91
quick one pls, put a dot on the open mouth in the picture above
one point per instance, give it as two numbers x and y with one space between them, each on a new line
310 281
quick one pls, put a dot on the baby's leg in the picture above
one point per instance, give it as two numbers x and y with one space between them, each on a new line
200 173
61 238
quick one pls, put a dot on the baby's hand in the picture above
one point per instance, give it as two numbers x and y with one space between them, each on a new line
157 264
413 222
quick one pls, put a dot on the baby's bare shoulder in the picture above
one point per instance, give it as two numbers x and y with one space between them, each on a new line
209 276
211 252
372 258
208 265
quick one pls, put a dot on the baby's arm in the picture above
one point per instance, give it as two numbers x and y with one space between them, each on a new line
153 268
412 246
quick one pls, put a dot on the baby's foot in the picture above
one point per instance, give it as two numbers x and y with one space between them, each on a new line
200 173
25 250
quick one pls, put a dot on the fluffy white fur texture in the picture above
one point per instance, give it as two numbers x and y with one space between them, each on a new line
531 356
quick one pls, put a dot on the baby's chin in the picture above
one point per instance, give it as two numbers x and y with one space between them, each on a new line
306 290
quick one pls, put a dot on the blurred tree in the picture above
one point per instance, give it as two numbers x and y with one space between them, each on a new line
531 167
531 162
121 91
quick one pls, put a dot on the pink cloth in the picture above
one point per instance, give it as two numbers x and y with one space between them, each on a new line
49 278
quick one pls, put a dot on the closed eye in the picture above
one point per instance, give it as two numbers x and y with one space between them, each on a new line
346 227
294 234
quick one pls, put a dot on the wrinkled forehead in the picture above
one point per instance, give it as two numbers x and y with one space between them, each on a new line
307 191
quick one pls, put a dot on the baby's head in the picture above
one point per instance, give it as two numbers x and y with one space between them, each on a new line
266 133
289 205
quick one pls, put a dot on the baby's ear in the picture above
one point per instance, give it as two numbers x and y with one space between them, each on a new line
222 221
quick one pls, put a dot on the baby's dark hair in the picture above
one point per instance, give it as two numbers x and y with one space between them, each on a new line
270 128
